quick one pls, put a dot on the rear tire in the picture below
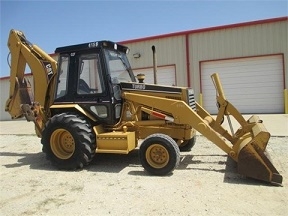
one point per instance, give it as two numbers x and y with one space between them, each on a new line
68 141
159 154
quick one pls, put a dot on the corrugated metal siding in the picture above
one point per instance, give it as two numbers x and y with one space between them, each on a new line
216 44
4 89
263 39
169 51
165 75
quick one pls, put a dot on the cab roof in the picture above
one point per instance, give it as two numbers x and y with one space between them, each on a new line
97 44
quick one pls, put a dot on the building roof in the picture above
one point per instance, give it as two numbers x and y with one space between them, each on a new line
236 25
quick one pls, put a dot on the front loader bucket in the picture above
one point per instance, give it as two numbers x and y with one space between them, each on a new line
248 143
252 161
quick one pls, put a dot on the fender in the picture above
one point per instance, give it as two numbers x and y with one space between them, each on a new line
72 106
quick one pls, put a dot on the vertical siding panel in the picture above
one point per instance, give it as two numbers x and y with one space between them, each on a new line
169 51
226 43
254 40
4 89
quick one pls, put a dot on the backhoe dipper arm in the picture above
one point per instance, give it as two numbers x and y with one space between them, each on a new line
43 68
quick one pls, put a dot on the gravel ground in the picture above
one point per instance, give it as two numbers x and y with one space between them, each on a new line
205 183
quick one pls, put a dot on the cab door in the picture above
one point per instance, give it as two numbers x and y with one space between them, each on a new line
83 79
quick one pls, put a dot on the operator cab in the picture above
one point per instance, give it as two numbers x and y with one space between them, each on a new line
90 74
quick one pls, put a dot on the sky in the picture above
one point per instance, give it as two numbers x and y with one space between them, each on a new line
51 24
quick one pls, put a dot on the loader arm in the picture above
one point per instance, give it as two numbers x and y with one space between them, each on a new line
182 114
246 146
33 103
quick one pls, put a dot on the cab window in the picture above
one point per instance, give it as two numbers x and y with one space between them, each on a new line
63 76
89 80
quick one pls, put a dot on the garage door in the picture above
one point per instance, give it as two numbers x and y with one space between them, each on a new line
252 85
165 75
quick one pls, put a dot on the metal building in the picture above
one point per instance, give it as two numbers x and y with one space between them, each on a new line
250 57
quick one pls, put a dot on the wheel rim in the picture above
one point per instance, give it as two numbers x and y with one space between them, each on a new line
157 156
62 143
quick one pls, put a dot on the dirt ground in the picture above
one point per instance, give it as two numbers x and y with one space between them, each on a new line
205 183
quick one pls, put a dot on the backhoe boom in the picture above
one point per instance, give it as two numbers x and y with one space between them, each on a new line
22 95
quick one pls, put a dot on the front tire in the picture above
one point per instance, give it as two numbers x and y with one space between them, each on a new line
68 141
187 145
159 154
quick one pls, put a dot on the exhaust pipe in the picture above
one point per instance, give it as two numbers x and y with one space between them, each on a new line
154 64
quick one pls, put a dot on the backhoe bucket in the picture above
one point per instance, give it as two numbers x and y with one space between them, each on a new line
252 162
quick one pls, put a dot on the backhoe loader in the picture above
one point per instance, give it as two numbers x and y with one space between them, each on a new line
89 102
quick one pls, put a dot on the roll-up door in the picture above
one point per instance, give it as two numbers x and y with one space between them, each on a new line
165 75
252 85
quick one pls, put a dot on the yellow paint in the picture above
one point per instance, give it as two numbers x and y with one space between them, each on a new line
118 142
201 99
74 106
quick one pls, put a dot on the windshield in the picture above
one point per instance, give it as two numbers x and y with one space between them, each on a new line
119 67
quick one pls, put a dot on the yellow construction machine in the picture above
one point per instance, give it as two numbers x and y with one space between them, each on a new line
89 102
